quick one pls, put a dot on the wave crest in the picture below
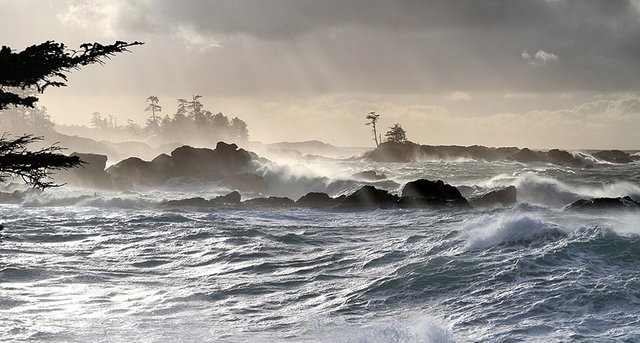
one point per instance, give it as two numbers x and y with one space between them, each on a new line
492 231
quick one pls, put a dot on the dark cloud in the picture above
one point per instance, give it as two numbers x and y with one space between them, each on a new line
415 45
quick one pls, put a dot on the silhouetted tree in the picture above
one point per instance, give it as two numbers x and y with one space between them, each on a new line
20 120
36 68
99 122
133 127
154 107
43 65
195 108
33 166
373 120
396 134
239 130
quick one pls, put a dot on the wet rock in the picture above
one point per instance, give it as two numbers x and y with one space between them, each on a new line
226 161
315 199
426 192
504 197
370 197
527 155
598 204
269 202
137 171
91 174
191 202
613 156
563 158
232 198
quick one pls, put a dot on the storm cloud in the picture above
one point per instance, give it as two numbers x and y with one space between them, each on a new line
400 46
475 59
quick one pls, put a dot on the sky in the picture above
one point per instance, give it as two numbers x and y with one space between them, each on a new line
527 73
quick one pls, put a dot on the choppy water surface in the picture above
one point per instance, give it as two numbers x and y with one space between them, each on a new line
113 268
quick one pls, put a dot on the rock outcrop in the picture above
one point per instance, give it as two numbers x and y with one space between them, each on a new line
613 156
316 199
424 193
599 204
269 202
232 198
91 173
225 163
410 152
504 197
369 197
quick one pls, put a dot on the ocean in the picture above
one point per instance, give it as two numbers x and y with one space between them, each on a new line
94 266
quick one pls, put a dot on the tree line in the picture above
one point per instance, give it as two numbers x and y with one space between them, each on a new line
190 123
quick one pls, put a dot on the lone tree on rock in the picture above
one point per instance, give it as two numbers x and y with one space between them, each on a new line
396 134
36 68
373 120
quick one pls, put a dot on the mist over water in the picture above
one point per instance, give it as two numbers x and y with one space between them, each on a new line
83 265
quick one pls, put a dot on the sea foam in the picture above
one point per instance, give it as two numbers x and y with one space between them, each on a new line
492 230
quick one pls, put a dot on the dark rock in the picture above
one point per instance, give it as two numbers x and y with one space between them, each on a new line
137 171
269 202
563 158
503 197
226 161
408 151
91 173
369 197
527 155
315 199
92 162
613 156
191 202
232 198
432 192
596 204
395 152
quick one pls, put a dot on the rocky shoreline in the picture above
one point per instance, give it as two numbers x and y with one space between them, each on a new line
412 152
239 170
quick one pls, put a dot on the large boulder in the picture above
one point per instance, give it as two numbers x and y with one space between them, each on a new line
370 197
316 199
598 204
613 156
504 197
395 152
207 164
426 192
137 171
91 174
191 202
232 198
269 202
226 161
527 155
563 158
